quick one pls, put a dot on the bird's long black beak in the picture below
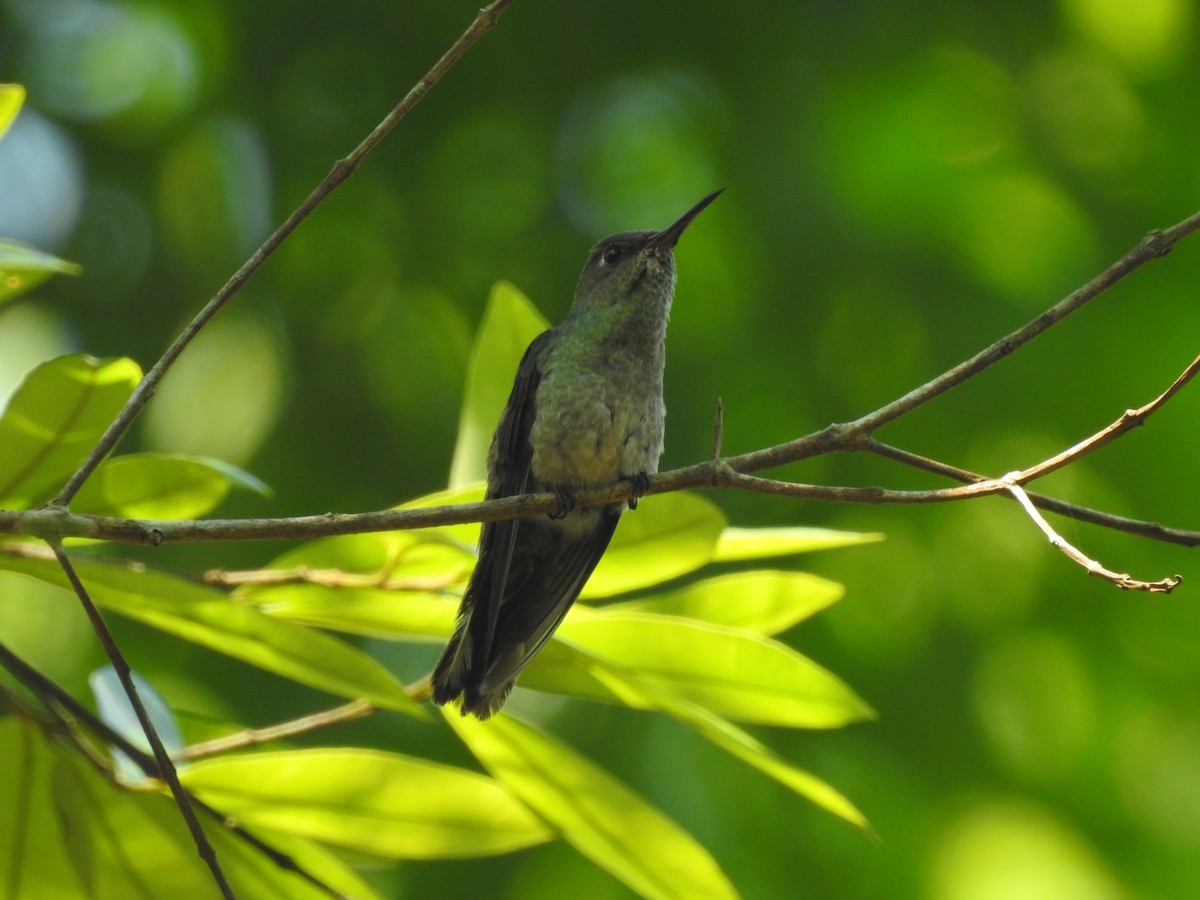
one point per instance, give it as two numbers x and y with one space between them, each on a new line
669 236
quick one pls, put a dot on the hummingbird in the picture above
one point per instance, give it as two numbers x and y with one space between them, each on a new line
586 410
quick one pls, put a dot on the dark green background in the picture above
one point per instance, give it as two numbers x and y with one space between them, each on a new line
904 184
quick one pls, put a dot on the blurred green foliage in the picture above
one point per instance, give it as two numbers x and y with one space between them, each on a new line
904 183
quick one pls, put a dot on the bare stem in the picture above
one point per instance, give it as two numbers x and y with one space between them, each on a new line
1093 567
250 737
165 767
343 169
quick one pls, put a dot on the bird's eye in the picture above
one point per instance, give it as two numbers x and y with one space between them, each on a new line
611 255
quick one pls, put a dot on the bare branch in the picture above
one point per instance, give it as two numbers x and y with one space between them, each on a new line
1121 580
250 737
165 767
1138 527
62 705
484 20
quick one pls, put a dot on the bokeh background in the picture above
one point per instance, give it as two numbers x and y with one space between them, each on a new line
904 184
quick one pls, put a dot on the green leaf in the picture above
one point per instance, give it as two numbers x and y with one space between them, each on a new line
764 601
206 617
398 615
733 740
600 816
159 486
668 535
740 544
55 417
370 801
395 585
22 268
510 323
737 674
11 98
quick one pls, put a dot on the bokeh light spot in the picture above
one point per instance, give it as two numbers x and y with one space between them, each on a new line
41 182
491 177
900 147
1022 235
1033 698
215 194
1016 850
223 396
1087 111
637 151
1148 35
91 61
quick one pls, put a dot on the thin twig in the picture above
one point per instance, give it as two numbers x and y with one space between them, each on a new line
60 523
165 766
1127 421
250 737
1112 521
61 704
343 169
335 578
1093 567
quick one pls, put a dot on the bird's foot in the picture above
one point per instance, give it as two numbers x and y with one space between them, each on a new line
566 501
640 481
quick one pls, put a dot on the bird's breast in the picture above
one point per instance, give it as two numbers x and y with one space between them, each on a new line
594 427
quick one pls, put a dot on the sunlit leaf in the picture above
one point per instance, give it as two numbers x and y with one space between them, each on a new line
205 616
159 486
763 601
727 736
370 801
399 615
510 323
53 420
79 834
740 544
668 535
139 847
22 268
11 98
396 585
597 814
737 674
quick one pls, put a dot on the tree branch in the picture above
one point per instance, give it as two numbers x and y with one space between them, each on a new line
1124 581
165 767
343 169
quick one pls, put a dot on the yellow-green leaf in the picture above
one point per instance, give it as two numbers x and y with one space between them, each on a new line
11 98
22 268
205 616
402 585
668 535
369 801
600 816
159 486
741 544
510 323
55 417
733 740
737 674
764 601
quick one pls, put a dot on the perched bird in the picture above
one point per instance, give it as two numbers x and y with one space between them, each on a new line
586 411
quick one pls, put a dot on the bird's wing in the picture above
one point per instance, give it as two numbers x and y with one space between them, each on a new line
466 655
508 476
548 569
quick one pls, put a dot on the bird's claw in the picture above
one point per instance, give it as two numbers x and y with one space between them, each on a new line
566 502
640 481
